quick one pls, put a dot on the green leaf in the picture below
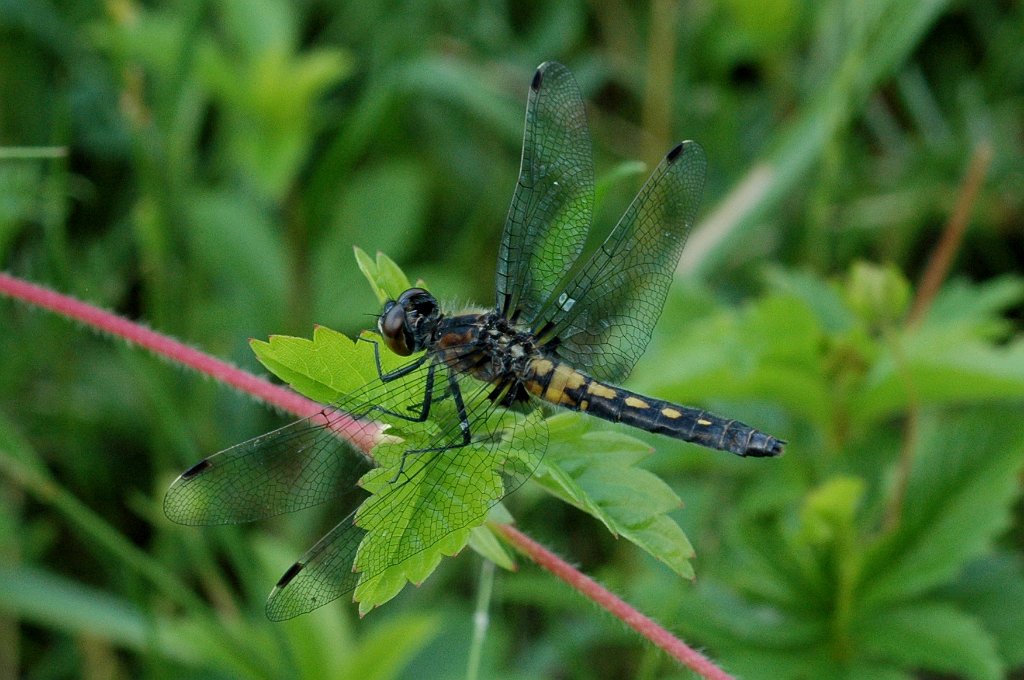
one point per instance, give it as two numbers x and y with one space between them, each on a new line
776 563
415 569
975 309
958 499
769 350
323 368
992 590
432 512
267 95
950 358
820 297
595 471
486 543
420 512
723 619
931 636
943 369
386 649
385 277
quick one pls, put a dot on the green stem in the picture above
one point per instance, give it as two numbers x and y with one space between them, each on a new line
481 619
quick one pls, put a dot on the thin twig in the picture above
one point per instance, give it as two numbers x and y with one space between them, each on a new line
935 274
953 234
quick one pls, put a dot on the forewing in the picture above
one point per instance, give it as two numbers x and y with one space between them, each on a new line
604 316
297 466
439 494
552 206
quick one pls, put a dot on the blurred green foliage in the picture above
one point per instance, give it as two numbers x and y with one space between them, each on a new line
206 167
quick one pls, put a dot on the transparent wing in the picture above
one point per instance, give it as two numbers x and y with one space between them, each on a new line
299 465
605 314
553 202
422 507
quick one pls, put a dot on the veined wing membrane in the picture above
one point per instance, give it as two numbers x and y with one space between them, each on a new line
299 465
553 202
605 314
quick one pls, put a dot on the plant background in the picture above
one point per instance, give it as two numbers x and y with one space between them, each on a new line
206 168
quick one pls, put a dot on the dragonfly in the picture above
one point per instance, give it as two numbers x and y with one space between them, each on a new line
461 396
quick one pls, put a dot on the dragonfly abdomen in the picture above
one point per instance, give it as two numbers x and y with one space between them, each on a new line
562 385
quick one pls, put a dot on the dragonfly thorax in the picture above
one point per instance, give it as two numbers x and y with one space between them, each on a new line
487 346
408 323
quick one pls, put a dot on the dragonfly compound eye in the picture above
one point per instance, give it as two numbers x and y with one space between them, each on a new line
418 302
393 329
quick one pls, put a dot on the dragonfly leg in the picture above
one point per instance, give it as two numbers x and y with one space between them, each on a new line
398 372
421 412
467 437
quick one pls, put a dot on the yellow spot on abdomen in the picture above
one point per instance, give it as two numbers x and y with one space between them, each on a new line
573 379
636 402
542 367
599 390
702 421
671 413
564 379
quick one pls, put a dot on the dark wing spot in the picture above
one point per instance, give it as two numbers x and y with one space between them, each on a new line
538 77
674 153
292 572
196 469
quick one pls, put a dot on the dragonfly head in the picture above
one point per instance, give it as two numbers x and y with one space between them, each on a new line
406 323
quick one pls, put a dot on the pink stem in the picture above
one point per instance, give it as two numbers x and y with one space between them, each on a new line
294 403
618 607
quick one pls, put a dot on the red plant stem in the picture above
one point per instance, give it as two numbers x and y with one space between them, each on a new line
289 401
607 600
